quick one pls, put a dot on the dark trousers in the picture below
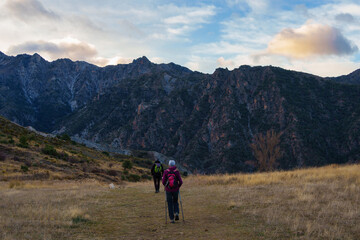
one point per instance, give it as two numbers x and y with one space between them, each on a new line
173 205
157 182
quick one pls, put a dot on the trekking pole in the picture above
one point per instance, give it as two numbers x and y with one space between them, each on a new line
165 210
182 211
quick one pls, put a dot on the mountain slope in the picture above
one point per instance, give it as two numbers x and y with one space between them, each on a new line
209 120
28 155
205 121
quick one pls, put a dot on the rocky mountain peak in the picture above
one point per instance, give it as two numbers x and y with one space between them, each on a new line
142 60
37 58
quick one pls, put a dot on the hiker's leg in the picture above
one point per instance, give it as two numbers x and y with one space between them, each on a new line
169 199
157 184
154 181
175 201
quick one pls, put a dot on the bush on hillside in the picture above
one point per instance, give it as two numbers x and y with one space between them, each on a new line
2 156
133 178
145 176
127 164
111 172
64 137
23 142
49 150
24 168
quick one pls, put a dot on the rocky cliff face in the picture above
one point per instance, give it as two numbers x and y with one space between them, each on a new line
204 121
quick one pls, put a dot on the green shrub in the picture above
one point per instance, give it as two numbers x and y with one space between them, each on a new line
134 178
2 156
64 137
24 168
63 156
79 219
145 176
49 150
127 164
32 137
23 142
112 172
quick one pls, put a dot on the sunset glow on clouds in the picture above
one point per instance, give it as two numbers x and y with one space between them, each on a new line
202 35
311 40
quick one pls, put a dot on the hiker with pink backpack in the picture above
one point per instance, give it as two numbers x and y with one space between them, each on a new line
172 182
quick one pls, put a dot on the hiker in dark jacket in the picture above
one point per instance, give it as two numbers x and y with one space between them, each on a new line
172 182
157 170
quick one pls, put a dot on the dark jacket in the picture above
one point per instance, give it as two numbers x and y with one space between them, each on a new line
153 169
178 178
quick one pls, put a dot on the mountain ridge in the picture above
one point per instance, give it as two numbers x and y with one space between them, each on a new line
206 121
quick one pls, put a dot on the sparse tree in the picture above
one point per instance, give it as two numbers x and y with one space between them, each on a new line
267 150
127 164
23 142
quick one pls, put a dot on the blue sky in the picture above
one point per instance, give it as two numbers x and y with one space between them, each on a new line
319 37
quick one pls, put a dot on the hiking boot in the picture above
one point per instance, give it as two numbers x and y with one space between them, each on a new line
176 216
172 221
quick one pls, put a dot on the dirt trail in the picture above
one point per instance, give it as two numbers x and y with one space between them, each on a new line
136 212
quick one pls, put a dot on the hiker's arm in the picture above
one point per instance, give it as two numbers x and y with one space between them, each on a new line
180 180
164 178
152 169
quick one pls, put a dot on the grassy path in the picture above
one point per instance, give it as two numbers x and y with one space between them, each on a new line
319 203
136 212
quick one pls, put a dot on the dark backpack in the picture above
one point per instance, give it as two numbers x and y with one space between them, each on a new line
157 169
172 181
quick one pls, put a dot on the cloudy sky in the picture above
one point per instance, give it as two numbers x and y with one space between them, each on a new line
317 36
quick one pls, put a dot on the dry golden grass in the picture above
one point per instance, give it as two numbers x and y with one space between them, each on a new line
347 174
319 203
44 210
316 203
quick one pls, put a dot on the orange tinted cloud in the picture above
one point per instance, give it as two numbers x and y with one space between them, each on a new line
310 40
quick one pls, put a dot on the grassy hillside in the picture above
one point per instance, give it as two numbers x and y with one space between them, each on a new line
318 203
26 155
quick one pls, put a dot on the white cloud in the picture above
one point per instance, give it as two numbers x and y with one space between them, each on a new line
345 17
62 48
222 62
188 15
257 6
26 10
330 67
181 21
100 61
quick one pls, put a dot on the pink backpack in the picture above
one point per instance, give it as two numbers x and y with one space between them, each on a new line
172 181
